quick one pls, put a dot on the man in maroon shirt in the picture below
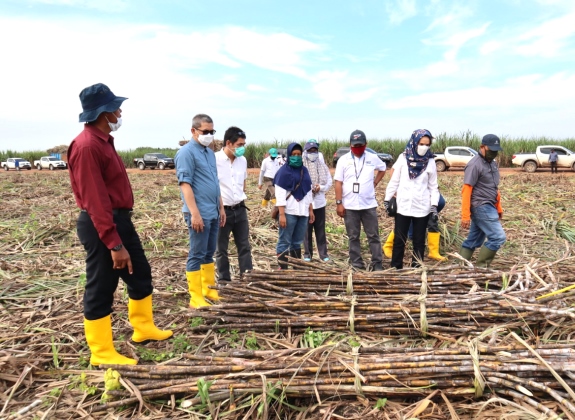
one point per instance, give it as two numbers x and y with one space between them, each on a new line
103 192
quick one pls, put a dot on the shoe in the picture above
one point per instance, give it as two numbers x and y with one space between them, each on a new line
466 253
326 259
273 200
265 203
388 246
433 245
99 338
378 267
209 279
296 255
307 259
485 257
142 319
282 260
195 288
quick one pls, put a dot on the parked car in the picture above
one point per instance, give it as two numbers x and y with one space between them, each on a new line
540 159
16 163
385 157
155 160
454 157
49 162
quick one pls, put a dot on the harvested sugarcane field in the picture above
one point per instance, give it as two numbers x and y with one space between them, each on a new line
316 341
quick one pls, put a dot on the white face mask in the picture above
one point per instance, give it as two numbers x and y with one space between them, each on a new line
206 139
422 150
115 126
312 156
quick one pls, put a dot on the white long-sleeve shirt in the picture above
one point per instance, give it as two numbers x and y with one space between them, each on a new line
269 168
293 207
414 196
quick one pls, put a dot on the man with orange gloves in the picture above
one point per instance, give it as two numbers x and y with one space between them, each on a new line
481 210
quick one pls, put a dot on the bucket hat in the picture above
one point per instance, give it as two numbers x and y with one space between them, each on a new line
96 99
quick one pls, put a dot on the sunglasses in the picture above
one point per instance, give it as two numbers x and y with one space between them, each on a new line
204 132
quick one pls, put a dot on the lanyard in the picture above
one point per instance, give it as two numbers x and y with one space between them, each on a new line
355 168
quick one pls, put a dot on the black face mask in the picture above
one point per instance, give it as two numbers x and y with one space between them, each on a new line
273 157
490 155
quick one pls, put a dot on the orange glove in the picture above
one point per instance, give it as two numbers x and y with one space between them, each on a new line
466 202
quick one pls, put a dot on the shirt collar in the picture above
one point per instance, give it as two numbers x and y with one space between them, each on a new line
99 133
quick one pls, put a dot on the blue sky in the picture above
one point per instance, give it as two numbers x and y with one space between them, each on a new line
288 70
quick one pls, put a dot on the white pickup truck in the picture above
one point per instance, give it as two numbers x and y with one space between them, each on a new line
16 163
49 162
454 157
530 162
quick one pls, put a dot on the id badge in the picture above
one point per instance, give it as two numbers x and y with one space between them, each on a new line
356 187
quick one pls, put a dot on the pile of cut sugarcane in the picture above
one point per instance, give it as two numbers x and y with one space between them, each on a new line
452 301
336 370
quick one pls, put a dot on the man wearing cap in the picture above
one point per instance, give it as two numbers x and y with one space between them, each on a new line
203 208
481 210
321 183
270 166
232 174
355 182
102 190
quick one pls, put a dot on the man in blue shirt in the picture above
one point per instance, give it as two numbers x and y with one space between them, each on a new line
203 208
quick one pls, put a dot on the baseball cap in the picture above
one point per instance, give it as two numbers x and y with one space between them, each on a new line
311 143
357 137
492 142
273 152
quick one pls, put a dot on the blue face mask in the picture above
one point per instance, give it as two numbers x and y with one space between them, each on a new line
239 151
295 161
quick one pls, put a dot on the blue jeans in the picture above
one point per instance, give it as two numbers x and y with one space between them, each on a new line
202 244
292 236
485 223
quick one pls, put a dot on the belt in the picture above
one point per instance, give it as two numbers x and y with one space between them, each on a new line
117 212
235 206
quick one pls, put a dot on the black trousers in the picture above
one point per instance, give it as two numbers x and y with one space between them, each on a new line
101 278
554 167
237 224
319 227
401 228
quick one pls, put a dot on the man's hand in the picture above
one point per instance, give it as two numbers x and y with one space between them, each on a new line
500 216
282 221
315 189
121 259
197 222
311 217
465 224
260 187
433 213
340 210
222 217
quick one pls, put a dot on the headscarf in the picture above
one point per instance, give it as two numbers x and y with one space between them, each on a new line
288 177
416 164
318 171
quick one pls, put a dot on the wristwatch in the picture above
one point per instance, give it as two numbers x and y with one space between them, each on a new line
118 247
337 201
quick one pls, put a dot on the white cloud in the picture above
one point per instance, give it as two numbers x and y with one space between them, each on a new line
256 88
533 91
339 86
400 10
548 39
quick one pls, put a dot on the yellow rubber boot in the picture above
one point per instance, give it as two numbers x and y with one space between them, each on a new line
265 203
273 200
433 245
388 245
99 338
209 279
142 319
195 288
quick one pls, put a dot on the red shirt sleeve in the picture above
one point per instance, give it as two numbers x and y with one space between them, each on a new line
89 186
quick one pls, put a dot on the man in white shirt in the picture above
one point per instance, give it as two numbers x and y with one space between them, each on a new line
270 166
232 174
355 182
